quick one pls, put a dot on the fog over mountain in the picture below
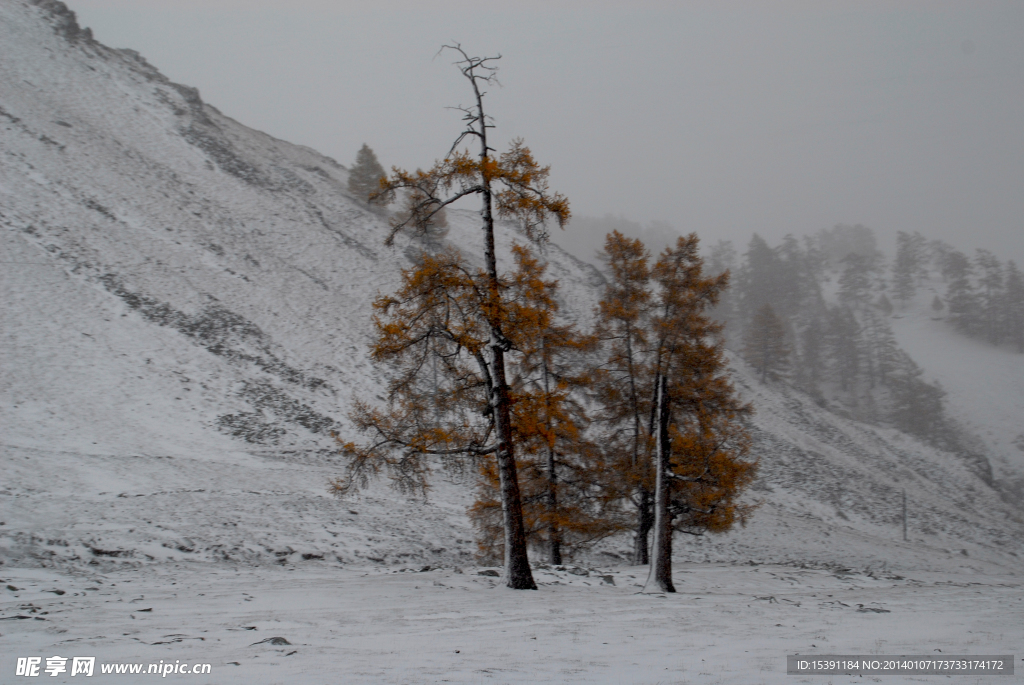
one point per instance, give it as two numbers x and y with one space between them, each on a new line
185 314
778 118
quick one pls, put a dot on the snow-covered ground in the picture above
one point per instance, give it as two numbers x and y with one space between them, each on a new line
726 624
185 314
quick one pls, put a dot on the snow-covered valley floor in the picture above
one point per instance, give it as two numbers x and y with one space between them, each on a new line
726 624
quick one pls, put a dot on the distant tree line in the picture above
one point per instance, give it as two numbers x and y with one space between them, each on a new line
840 348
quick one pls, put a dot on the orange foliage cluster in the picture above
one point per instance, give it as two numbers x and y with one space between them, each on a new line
432 333
581 404
652 323
567 502
518 185
488 380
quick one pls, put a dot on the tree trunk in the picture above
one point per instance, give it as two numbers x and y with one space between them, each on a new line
643 514
517 563
554 535
660 577
644 523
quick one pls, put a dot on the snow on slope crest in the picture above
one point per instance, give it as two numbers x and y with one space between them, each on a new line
186 317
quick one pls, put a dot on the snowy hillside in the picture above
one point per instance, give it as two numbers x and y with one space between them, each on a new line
185 316
176 287
187 311
984 383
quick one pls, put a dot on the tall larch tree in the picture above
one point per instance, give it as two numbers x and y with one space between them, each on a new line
659 338
461 316
623 327
698 420
568 495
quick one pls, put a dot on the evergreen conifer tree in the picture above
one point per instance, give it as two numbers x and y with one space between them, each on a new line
916 407
938 252
879 348
810 372
1014 306
722 259
842 240
797 282
764 345
919 248
842 337
760 279
855 280
365 175
433 224
961 299
905 267
990 295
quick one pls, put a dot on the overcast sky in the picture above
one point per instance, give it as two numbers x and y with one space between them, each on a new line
720 118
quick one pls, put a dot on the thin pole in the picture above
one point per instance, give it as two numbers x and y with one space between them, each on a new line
904 514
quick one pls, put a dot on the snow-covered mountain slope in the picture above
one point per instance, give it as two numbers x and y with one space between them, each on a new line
185 317
186 303
984 383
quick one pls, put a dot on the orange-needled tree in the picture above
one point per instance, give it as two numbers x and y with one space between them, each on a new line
622 381
672 421
568 497
460 317
697 423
